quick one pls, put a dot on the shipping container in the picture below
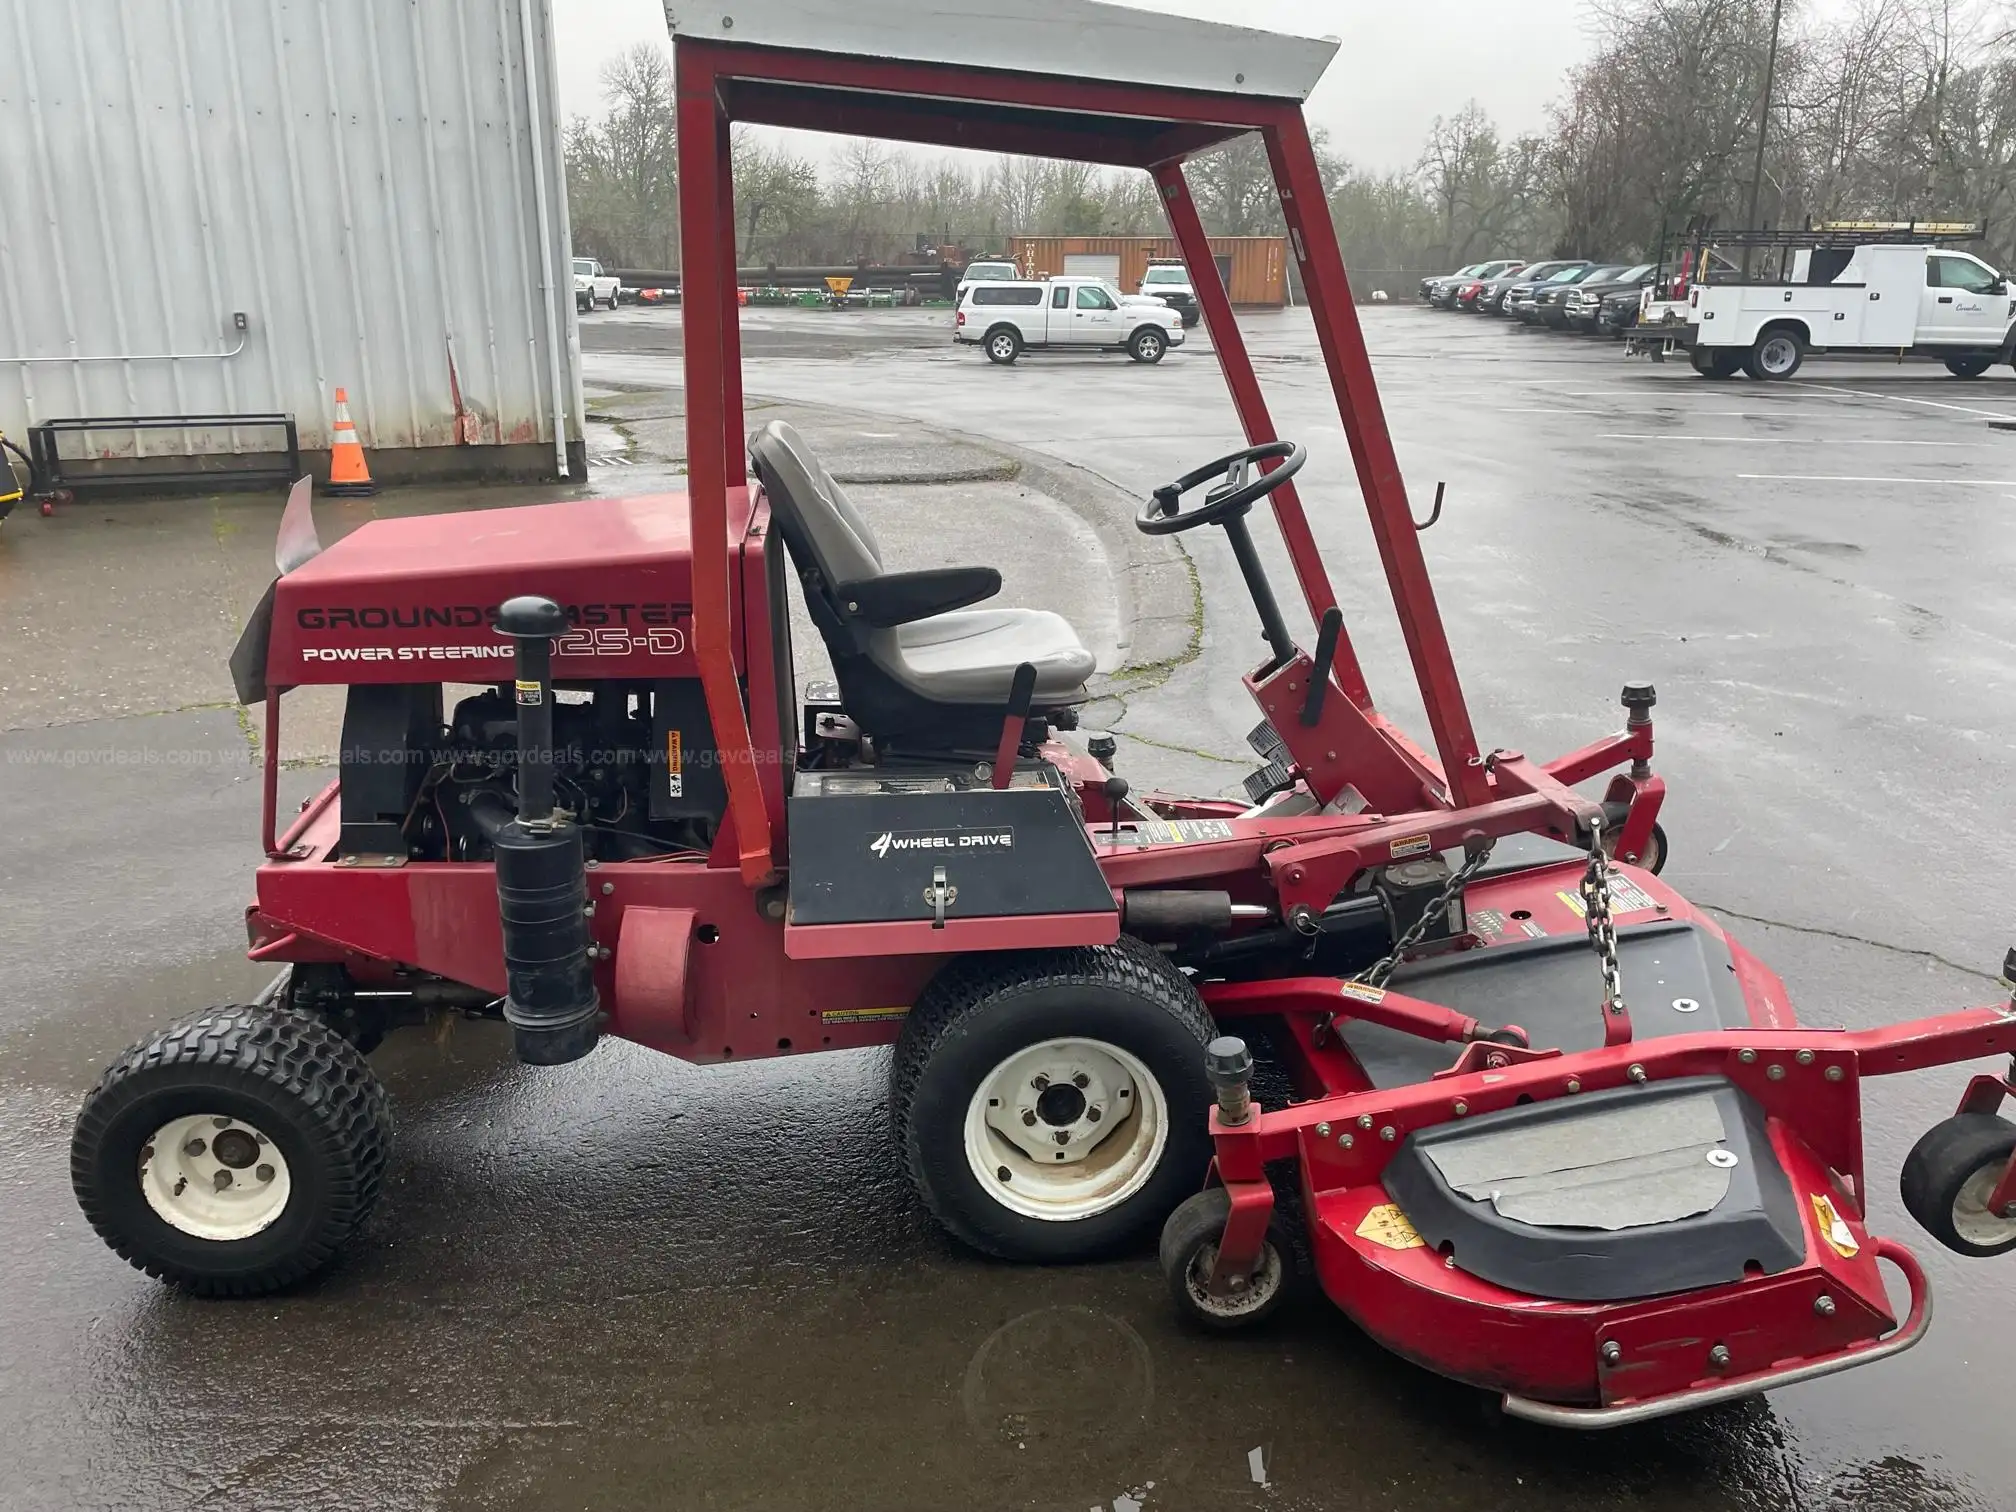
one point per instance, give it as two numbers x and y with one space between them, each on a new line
230 206
1253 267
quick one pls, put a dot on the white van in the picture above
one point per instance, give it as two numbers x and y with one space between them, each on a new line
1008 318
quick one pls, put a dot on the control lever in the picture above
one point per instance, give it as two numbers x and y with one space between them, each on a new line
1021 693
1327 635
1116 794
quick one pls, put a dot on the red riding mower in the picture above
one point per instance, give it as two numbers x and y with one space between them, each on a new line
633 827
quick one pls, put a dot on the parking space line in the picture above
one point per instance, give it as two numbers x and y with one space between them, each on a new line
1851 478
1780 440
1964 409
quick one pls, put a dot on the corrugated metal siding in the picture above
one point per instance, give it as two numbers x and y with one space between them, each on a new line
1255 265
358 176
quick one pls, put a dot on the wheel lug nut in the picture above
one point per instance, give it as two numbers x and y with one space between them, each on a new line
1081 1081
1062 1136
264 1173
1040 1082
1029 1116
222 1180
1093 1115
194 1147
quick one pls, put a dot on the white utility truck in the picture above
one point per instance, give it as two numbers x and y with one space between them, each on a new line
1881 290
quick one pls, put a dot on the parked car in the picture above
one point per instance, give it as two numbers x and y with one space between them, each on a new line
1585 300
1442 291
1550 301
592 286
1619 313
1491 300
1008 318
1168 281
983 270
1519 300
1471 293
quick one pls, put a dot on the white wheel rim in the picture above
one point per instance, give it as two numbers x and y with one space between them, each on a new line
210 1192
1254 1295
1972 1219
1778 354
1110 1112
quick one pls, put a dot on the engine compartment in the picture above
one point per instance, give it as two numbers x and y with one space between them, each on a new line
633 762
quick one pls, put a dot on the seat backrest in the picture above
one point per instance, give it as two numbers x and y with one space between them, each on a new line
820 524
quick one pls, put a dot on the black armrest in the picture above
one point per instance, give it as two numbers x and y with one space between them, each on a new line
897 598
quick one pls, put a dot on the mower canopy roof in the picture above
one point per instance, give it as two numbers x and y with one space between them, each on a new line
1066 38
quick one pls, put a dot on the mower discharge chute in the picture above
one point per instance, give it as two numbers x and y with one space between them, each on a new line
1552 1131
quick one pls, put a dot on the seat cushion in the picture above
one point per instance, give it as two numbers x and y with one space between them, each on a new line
970 656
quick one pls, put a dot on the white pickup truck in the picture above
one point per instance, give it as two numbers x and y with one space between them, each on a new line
592 286
1897 300
1007 318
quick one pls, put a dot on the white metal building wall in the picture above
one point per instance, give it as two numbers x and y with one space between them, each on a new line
368 181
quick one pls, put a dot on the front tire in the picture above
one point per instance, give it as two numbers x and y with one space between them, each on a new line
1949 1176
1147 345
1003 346
1968 367
231 1154
1052 1106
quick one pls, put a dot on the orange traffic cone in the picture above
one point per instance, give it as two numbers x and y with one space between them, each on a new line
349 477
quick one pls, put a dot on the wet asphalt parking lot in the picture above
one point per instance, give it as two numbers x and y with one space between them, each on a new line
631 1283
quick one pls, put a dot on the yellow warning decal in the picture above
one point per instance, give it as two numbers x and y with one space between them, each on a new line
1386 1226
861 1015
675 766
1365 992
1413 845
1840 1238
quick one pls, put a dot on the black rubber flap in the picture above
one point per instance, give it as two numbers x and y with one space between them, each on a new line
1678 979
866 845
1633 1192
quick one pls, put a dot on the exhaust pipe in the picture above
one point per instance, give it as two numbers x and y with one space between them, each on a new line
542 878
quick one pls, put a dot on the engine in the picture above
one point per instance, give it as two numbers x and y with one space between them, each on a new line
634 763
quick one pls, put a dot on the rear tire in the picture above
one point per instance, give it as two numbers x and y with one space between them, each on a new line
1003 345
1189 1249
1776 356
1968 367
974 1049
309 1130
1947 1179
1147 344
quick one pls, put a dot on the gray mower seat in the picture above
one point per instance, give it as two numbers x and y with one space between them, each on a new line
971 655
915 665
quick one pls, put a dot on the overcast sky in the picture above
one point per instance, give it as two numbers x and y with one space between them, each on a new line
1401 64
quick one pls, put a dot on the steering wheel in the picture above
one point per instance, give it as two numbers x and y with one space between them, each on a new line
1236 494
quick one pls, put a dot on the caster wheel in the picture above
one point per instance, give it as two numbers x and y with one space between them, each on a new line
232 1153
1948 1177
1190 1248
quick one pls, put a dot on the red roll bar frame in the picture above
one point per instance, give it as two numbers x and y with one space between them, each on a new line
1089 120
